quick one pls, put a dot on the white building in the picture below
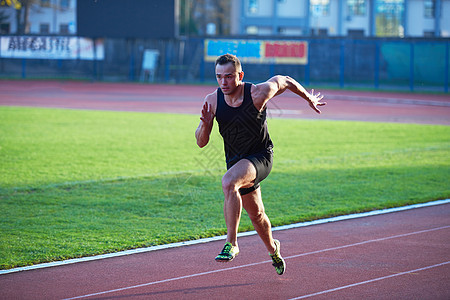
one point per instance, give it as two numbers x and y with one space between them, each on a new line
379 18
44 17
400 18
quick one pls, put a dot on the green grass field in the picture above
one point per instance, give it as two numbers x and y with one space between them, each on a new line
76 183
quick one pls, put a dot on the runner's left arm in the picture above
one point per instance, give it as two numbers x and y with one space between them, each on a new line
278 85
204 129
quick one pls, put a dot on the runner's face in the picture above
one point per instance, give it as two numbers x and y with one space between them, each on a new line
228 78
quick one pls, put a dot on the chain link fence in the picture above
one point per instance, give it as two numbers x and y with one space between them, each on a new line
409 64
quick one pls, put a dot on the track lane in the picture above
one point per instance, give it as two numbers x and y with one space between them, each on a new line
398 252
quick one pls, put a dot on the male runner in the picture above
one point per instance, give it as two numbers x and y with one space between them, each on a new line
240 111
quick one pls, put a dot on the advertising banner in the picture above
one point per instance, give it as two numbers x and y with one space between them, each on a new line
50 47
259 51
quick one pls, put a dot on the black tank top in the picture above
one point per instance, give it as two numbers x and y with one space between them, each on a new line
244 128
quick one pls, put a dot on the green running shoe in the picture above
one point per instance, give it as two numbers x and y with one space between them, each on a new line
278 261
228 253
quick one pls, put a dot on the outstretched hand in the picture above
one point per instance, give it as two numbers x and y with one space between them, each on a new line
314 101
207 115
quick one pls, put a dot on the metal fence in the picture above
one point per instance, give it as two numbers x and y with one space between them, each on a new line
409 64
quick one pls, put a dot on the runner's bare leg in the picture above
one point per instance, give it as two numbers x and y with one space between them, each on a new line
254 206
242 174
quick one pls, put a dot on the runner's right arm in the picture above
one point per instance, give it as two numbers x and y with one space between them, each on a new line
204 129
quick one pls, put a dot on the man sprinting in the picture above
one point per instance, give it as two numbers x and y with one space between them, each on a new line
240 111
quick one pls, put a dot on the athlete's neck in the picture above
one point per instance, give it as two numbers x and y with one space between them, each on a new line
235 98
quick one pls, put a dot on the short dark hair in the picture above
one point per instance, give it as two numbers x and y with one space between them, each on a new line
229 58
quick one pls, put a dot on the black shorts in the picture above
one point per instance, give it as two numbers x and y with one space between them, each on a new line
263 164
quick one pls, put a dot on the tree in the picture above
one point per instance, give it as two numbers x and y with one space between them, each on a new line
15 3
3 17
195 15
222 16
22 13
187 21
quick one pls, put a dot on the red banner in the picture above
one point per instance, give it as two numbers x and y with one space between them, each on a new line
287 51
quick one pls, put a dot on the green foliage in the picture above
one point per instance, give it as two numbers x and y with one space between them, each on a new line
76 183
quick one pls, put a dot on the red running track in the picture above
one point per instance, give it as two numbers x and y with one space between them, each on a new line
342 105
402 255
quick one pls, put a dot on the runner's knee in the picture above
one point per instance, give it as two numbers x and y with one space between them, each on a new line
228 185
257 216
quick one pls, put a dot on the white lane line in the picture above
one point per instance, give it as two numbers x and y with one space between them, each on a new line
276 112
257 263
369 241
164 281
222 237
370 281
362 215
389 100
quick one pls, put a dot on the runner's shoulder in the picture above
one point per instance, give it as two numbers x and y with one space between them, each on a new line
212 100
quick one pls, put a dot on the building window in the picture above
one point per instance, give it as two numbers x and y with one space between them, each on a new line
389 18
290 31
253 6
45 3
64 28
255 30
355 33
319 32
64 4
4 28
356 7
44 28
320 8
252 30
430 9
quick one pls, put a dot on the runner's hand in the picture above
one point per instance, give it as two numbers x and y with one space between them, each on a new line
314 101
207 115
